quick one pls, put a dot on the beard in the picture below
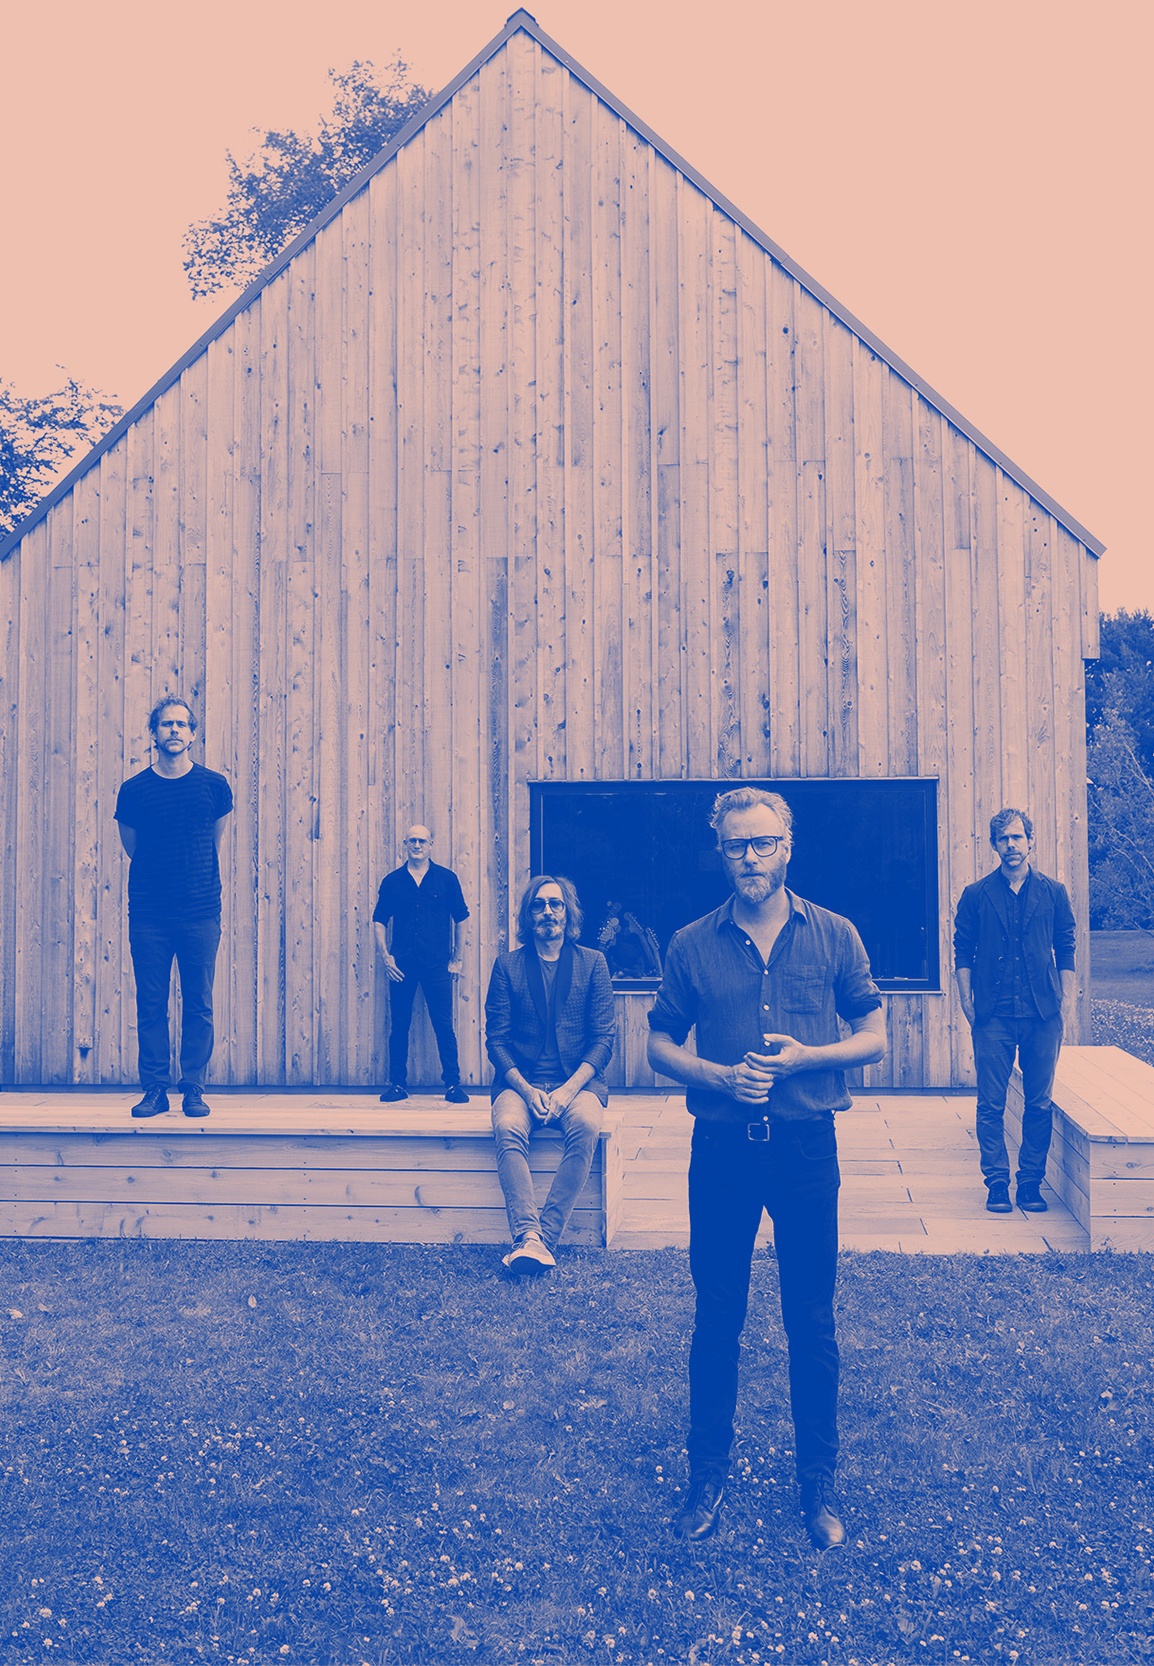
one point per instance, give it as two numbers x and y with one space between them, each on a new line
759 887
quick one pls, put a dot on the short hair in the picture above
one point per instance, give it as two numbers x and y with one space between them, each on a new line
744 798
573 914
162 705
1000 822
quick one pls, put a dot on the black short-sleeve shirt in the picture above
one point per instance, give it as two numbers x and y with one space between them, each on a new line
174 873
422 915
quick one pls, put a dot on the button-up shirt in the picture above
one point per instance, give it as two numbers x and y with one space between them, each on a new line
422 915
1015 998
716 982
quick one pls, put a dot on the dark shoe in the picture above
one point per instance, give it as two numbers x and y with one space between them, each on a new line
393 1091
154 1103
697 1517
998 1200
1029 1197
194 1104
819 1512
456 1094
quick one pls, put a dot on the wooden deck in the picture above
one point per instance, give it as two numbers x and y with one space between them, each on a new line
910 1178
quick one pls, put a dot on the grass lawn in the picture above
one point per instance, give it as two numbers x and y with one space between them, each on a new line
346 1454
1122 1024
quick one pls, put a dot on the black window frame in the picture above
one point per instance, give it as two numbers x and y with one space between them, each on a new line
921 791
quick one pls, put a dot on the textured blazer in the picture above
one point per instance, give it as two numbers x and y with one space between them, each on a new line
516 1015
982 939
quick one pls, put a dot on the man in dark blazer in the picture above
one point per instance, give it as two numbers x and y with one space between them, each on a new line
549 1030
1014 962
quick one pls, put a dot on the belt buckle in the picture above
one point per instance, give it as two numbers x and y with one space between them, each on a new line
758 1132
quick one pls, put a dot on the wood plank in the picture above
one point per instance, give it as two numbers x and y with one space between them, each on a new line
56 873
1012 693
785 686
812 586
472 840
724 506
218 718
1038 625
10 681
608 462
79 1050
987 651
270 1223
901 573
932 707
639 578
873 644
695 227
664 279
753 474
272 707
32 743
580 486
841 560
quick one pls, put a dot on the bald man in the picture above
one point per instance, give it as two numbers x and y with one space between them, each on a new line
427 909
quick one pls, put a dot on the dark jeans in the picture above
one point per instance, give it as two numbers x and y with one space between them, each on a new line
437 983
193 945
794 1175
1036 1042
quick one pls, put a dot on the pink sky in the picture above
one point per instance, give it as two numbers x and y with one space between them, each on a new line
973 182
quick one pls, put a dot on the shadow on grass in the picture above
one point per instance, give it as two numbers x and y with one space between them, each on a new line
386 1454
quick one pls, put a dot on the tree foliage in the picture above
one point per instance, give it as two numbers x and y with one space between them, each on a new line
289 178
38 437
1122 679
1121 817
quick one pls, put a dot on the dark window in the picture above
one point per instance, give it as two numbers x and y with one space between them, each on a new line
644 860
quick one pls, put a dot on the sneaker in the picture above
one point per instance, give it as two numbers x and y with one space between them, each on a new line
154 1103
194 1104
393 1091
697 1517
1029 1197
821 1514
530 1255
998 1198
456 1094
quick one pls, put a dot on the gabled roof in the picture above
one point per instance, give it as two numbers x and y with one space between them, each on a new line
519 20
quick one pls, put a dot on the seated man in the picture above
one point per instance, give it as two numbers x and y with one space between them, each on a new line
549 1030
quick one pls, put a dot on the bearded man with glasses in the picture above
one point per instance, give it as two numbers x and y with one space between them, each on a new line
763 980
549 1030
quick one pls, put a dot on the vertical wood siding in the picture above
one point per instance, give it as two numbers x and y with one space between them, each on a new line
531 465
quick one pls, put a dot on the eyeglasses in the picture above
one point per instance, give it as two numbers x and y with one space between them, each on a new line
551 905
767 845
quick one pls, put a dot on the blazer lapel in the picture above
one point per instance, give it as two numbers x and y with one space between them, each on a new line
1001 902
536 981
1033 898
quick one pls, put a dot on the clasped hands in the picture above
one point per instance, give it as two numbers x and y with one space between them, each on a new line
548 1106
753 1079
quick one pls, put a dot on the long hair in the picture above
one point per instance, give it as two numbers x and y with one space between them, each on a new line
573 914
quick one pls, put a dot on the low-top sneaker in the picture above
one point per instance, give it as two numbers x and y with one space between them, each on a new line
529 1255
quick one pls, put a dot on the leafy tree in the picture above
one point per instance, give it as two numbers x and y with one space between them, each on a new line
290 177
1122 679
1121 829
38 437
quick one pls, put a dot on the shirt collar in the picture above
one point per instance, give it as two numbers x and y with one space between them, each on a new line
724 915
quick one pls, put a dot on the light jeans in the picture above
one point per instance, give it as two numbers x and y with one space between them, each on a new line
512 1128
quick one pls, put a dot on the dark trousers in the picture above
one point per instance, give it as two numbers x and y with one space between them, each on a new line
1037 1042
193 945
437 983
794 1175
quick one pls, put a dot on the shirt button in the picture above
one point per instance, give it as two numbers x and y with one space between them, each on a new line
765 1009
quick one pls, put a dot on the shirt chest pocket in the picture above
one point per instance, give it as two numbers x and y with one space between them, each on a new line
802 992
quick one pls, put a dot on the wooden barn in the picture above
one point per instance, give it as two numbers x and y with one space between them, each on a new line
532 492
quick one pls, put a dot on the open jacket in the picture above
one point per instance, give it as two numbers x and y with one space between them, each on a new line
982 940
516 1015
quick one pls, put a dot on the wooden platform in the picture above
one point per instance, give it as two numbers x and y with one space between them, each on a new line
342 1166
1102 1155
275 1167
